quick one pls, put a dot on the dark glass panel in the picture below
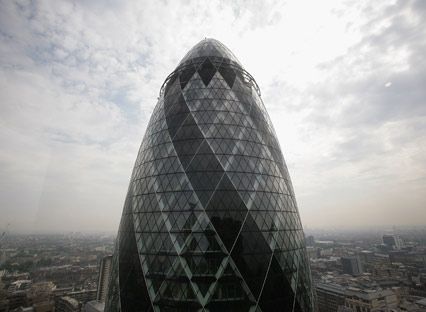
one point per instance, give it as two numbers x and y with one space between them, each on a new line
226 211
186 75
251 254
133 292
207 71
230 296
277 291
228 74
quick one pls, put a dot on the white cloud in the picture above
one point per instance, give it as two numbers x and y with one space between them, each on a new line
342 83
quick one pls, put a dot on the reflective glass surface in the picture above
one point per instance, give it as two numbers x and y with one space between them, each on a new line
210 221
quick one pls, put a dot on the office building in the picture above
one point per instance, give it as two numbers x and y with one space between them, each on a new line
351 265
67 304
330 297
210 221
392 241
94 306
371 300
104 276
310 241
333 297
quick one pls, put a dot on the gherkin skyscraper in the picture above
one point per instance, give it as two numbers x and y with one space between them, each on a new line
210 221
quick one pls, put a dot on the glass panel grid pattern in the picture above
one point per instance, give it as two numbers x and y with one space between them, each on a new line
210 221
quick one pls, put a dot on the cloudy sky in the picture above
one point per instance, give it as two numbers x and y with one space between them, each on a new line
343 81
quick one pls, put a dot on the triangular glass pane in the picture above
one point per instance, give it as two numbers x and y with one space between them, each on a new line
207 71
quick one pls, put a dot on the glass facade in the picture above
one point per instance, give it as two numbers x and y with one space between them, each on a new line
210 221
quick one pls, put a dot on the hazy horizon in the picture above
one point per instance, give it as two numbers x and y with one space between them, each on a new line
344 85
384 229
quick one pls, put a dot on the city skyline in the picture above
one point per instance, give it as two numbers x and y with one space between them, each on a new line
343 85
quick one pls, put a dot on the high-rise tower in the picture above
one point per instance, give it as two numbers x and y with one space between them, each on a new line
103 279
210 221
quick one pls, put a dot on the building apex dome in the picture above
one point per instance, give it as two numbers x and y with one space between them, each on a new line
209 47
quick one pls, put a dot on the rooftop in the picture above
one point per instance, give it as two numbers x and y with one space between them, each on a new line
209 47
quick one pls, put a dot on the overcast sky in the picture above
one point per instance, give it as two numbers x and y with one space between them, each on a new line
343 81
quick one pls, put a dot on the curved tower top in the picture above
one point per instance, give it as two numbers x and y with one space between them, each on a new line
209 47
206 57
210 222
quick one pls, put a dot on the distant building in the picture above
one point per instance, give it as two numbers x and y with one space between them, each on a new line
371 300
17 299
392 241
5 254
410 307
26 309
310 240
82 295
20 285
98 305
312 252
44 307
325 252
421 303
330 297
67 304
351 265
412 258
40 295
325 243
104 275
94 306
4 305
